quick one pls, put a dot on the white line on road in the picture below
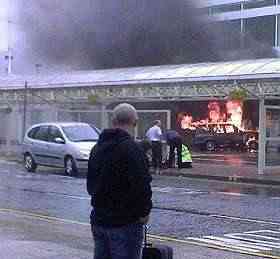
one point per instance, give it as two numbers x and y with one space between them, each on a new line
223 244
239 243
246 237
250 241
244 219
233 193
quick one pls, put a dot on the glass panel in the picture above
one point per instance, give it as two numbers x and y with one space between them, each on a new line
249 68
65 116
272 153
93 118
146 120
54 133
3 25
225 8
186 70
258 3
42 133
204 71
273 123
225 69
80 133
270 67
278 30
4 35
230 34
261 29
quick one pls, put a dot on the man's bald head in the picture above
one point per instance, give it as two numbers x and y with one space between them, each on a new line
125 115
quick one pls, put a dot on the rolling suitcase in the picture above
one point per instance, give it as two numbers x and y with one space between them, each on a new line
151 251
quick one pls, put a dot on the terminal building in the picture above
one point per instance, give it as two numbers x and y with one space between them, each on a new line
172 93
242 22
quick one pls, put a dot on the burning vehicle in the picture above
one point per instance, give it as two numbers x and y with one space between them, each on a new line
224 127
212 135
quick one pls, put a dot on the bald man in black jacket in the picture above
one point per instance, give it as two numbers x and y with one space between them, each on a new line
119 184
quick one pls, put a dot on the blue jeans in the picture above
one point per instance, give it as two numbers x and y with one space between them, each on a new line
124 242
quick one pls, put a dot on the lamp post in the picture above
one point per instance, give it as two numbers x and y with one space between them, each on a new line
24 109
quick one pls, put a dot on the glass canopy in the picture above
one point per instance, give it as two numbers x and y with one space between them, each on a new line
171 73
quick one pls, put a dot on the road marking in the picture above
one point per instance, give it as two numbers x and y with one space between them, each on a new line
225 161
182 190
177 190
262 242
8 162
233 193
244 219
188 241
41 216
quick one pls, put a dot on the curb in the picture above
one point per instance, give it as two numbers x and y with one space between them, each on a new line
232 178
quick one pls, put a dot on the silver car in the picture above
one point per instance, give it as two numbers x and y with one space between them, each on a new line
65 145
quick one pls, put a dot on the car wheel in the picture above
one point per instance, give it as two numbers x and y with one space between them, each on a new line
210 145
29 163
70 167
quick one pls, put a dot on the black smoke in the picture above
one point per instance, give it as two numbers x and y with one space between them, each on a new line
91 34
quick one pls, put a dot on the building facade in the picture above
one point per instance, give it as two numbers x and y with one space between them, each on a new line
242 23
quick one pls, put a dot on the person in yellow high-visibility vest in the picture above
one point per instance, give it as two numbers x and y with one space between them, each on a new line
186 157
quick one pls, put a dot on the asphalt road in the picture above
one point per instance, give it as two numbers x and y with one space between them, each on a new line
190 215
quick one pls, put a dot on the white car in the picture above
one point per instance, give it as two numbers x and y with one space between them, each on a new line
65 145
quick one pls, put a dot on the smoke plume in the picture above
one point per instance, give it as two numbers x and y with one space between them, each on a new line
92 34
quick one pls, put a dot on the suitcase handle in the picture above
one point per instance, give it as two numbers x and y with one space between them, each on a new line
146 244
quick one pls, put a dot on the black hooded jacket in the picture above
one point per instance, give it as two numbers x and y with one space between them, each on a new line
118 180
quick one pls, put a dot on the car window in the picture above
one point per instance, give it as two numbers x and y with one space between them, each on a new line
219 129
78 133
42 133
32 132
54 132
229 129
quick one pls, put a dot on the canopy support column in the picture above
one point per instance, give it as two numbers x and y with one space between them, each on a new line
262 136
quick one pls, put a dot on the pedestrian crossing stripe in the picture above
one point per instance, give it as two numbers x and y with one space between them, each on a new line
264 243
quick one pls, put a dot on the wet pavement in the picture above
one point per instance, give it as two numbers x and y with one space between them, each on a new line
186 211
233 167
32 237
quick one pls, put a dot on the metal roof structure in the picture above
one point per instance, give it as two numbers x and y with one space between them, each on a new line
221 71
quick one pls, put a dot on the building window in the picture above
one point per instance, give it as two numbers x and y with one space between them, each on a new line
225 8
258 3
278 31
260 29
230 34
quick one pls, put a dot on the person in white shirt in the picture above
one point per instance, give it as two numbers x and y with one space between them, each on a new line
154 134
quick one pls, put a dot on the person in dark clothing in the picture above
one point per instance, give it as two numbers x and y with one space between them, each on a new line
175 141
146 147
120 188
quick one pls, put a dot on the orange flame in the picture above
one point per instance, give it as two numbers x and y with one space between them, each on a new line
233 114
234 109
